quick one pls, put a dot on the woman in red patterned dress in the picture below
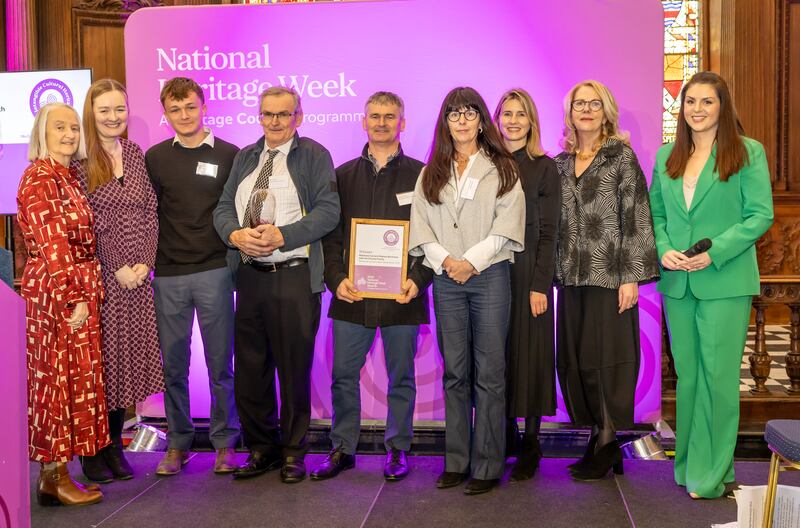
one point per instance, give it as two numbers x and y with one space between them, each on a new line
63 291
126 224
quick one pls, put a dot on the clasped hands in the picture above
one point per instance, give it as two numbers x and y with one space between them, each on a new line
131 277
258 241
459 270
677 261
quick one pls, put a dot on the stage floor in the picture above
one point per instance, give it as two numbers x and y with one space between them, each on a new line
645 496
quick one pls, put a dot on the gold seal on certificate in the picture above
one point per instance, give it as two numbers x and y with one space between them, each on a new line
378 250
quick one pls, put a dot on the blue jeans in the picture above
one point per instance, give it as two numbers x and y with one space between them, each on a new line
351 344
472 326
177 298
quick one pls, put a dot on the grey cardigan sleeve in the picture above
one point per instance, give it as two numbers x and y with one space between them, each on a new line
509 220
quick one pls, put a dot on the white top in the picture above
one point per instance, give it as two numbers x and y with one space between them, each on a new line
287 202
481 254
688 192
208 140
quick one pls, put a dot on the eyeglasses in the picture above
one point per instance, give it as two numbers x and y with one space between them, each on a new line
282 116
594 105
469 114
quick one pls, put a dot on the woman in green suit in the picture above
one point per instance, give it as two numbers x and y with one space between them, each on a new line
712 183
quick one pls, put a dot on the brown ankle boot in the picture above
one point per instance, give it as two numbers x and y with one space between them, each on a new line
57 487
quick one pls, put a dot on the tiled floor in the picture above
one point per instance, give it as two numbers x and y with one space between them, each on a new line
777 347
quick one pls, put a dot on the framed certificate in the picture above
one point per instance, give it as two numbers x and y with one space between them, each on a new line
378 251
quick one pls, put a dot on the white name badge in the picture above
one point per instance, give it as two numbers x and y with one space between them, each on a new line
469 188
206 169
279 182
405 198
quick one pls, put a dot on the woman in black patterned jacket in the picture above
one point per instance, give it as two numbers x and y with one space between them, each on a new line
606 248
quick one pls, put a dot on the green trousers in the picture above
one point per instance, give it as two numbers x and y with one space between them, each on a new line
707 341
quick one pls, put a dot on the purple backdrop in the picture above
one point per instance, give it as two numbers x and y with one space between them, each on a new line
338 54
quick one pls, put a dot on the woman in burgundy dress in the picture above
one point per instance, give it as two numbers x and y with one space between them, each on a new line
62 291
126 225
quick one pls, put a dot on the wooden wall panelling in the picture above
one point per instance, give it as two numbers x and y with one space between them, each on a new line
98 42
779 249
779 252
710 42
791 92
748 60
54 34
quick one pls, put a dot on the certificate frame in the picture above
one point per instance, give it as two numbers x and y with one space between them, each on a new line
366 274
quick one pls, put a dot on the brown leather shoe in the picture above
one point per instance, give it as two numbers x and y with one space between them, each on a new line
172 462
56 487
225 461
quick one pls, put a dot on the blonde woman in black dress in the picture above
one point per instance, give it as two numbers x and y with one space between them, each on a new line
531 385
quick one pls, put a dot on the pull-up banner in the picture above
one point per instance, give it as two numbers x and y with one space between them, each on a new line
337 54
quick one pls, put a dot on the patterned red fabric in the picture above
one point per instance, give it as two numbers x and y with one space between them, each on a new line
126 225
66 402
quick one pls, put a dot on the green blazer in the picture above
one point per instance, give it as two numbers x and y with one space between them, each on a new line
733 214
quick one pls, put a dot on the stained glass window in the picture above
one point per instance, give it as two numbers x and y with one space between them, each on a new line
681 56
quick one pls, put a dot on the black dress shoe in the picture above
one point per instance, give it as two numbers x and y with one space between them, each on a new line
115 459
527 459
96 469
256 464
608 457
293 470
478 486
450 479
336 462
396 465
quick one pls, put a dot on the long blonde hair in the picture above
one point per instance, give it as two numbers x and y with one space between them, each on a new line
99 165
610 128
533 144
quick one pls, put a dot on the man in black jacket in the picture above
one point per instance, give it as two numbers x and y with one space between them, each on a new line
379 185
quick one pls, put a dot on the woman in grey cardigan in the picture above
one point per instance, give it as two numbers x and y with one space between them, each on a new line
467 217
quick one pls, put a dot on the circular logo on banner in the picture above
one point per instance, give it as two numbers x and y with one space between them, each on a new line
391 237
49 91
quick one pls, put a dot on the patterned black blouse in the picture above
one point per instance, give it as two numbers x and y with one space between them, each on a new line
606 234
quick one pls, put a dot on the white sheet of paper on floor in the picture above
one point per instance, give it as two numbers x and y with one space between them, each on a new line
750 507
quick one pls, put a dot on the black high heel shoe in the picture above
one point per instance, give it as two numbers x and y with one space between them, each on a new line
528 459
582 461
96 469
609 457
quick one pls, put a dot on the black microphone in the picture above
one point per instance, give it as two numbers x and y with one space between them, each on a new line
700 247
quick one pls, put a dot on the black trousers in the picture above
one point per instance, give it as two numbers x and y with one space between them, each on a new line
277 317
597 356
